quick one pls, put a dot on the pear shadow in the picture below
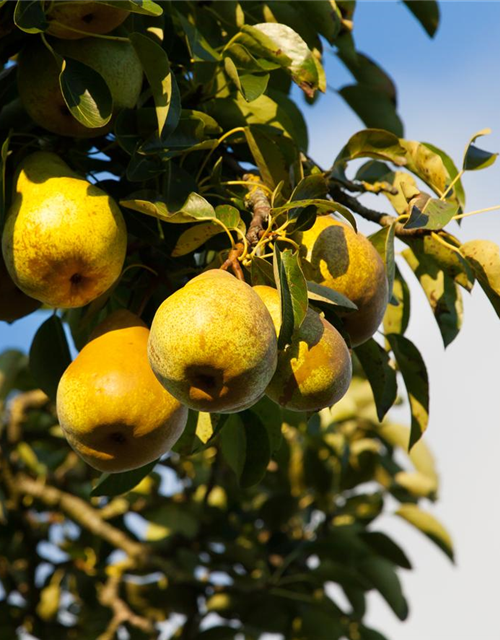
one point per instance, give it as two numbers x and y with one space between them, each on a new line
331 241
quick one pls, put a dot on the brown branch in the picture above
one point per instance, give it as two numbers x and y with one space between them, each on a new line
383 219
109 597
232 261
18 409
81 512
261 209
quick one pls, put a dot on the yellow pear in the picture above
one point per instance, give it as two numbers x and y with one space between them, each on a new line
113 411
213 344
64 239
347 261
315 370
14 304
40 92
68 19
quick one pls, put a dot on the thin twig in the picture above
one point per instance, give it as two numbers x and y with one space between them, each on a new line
232 261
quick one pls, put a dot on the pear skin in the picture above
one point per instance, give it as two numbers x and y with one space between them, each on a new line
67 19
213 344
40 93
346 261
113 411
315 370
14 304
64 240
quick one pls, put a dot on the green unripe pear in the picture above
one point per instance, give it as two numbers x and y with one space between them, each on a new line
346 261
40 92
315 370
213 345
67 19
64 239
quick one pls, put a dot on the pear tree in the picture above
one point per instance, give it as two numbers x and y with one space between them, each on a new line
198 441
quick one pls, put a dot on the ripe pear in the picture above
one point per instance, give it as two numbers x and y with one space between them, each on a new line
113 411
213 344
40 92
67 19
64 239
14 304
347 261
315 370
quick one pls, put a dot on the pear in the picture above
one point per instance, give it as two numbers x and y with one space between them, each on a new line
67 19
213 344
111 408
40 92
64 239
315 370
346 261
14 304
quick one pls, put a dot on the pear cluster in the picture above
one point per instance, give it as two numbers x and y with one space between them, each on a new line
213 344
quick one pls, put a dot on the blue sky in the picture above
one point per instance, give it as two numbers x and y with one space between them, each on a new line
448 89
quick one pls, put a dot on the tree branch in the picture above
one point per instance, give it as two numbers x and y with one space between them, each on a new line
261 209
232 262
383 219
81 512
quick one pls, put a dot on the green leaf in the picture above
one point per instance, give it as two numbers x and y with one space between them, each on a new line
484 258
373 106
85 93
262 272
30 16
416 380
197 235
291 284
381 574
144 7
267 156
475 158
397 316
195 208
383 241
250 85
309 188
269 414
427 165
246 447
446 255
234 443
283 45
199 47
365 633
323 206
368 74
49 355
426 12
442 293
373 143
457 194
116 484
435 215
325 17
154 61
4 152
380 374
318 293
386 547
428 525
